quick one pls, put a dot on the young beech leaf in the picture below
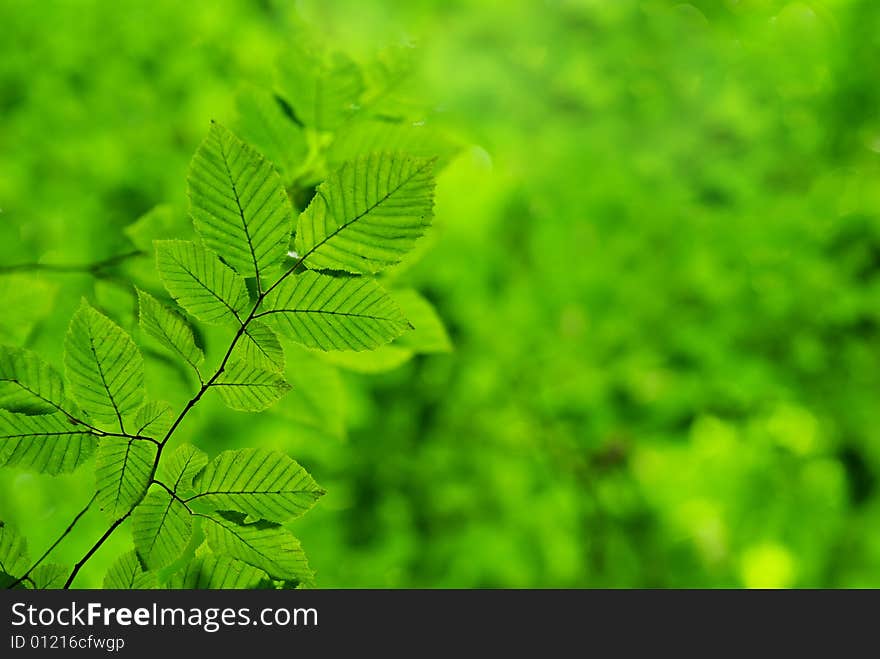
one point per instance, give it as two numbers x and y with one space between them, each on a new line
323 89
259 346
104 367
196 546
333 313
27 383
238 204
267 546
161 526
367 214
179 468
48 576
123 468
215 572
154 419
261 483
127 573
246 388
14 559
169 328
200 282
263 122
49 443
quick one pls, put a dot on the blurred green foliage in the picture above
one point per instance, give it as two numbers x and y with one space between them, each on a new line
658 256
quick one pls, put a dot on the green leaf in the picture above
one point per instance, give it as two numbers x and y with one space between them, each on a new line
249 389
104 367
214 572
14 560
27 383
123 469
368 214
238 204
333 313
263 484
199 282
428 333
263 123
49 576
161 526
259 346
127 573
49 443
323 90
267 546
154 419
179 469
169 328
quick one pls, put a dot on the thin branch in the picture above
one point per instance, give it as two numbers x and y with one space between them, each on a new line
86 268
127 436
67 532
173 494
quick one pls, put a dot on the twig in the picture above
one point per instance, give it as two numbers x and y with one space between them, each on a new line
72 268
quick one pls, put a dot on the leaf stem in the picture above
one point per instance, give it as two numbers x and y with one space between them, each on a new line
173 494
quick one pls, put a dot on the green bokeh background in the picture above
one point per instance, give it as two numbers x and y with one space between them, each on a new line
657 255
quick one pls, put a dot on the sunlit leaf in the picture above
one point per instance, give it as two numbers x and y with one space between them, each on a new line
333 313
27 383
169 328
179 468
14 560
247 388
368 214
48 443
123 469
238 204
260 483
216 572
103 365
200 282
127 573
161 526
267 546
